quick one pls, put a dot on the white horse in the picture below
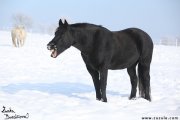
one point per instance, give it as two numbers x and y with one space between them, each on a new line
18 35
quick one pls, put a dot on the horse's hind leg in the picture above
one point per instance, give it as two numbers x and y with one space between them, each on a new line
133 77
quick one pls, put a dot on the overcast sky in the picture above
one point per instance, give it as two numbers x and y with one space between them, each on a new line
159 18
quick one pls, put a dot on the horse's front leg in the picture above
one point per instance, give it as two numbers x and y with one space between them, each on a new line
103 83
95 77
14 41
21 42
18 43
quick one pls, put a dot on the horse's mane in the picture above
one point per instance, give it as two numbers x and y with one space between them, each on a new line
82 25
87 25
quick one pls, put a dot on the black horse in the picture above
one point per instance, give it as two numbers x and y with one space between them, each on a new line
102 49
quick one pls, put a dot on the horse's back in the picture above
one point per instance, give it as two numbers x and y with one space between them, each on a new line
143 40
130 45
19 32
136 37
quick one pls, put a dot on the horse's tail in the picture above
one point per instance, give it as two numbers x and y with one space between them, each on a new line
145 50
144 80
140 82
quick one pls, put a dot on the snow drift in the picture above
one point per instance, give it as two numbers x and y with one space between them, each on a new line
47 89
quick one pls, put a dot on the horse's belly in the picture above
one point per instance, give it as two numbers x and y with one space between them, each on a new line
122 63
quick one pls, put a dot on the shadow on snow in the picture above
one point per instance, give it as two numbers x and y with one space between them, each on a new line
65 88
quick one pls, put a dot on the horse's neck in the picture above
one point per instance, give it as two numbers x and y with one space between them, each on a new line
83 41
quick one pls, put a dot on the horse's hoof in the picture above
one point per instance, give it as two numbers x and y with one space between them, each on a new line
98 99
132 98
103 100
148 99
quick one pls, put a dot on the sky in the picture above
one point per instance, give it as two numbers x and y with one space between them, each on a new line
159 18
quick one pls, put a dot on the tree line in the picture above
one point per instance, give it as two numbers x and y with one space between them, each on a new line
22 20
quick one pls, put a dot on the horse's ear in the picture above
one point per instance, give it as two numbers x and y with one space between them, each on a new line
60 22
65 23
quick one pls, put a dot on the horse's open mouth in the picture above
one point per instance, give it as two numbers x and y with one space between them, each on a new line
54 52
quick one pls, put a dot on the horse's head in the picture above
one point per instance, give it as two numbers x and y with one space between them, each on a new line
62 39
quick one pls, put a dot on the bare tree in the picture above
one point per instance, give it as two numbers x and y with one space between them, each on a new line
22 20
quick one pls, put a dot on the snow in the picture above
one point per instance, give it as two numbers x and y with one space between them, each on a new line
61 89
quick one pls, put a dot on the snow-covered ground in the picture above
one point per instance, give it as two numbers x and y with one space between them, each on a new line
61 89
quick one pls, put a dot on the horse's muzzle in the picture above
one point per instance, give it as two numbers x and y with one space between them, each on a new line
53 49
51 46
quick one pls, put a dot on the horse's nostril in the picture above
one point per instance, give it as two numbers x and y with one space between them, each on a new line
49 47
